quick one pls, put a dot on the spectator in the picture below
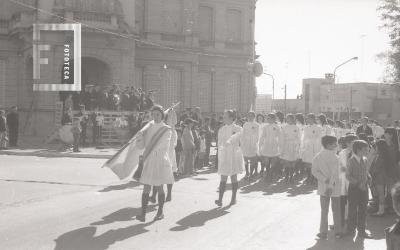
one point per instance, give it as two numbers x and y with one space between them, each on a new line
208 135
364 128
13 126
83 118
3 130
188 146
393 233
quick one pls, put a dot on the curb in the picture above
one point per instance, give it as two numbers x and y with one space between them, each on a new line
56 154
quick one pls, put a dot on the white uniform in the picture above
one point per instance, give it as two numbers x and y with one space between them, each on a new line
157 169
339 132
171 151
290 143
377 131
311 142
269 141
343 157
230 156
249 139
327 130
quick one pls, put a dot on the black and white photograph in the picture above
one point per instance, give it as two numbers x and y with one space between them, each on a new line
199 124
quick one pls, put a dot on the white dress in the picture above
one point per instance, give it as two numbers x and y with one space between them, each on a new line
230 156
249 139
171 151
290 142
269 141
157 169
311 142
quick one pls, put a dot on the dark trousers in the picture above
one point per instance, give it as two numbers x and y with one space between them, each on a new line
343 203
358 200
83 134
13 137
97 134
207 158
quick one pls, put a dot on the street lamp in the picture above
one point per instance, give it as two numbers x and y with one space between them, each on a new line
347 61
273 88
334 82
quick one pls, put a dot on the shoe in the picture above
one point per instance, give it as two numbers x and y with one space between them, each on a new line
218 203
378 214
233 202
364 235
339 236
322 236
159 217
153 199
168 198
349 233
141 218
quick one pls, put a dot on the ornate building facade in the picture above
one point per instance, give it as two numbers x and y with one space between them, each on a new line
193 51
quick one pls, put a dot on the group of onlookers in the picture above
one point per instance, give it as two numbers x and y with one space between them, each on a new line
9 125
109 98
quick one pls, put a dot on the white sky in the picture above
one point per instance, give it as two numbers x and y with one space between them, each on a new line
307 38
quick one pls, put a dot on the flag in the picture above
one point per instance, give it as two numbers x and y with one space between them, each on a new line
126 160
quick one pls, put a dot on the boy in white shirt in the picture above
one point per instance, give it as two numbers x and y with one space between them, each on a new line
325 168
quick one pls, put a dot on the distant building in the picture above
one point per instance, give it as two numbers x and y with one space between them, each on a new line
292 105
263 103
352 100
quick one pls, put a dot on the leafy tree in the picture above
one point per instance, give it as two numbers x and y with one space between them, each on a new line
389 11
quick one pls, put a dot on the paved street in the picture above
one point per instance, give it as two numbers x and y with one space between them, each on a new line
69 203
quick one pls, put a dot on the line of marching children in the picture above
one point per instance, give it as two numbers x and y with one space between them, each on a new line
345 162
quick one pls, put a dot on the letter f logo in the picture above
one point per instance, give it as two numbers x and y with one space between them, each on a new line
37 60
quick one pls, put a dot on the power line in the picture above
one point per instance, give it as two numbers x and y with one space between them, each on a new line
131 37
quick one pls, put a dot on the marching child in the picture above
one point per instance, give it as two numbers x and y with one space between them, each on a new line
249 143
202 152
290 146
357 174
269 146
311 144
325 168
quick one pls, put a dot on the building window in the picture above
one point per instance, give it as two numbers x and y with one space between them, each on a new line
232 85
139 77
206 24
234 26
140 14
170 86
172 16
205 91
2 83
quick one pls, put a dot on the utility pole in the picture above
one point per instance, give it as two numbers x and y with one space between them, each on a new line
351 103
285 98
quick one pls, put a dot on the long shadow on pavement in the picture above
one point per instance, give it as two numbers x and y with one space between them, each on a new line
375 225
267 188
199 218
85 239
124 214
131 184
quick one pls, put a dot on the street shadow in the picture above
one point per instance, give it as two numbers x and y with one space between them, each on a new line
377 225
295 190
124 214
199 179
266 188
199 218
85 239
129 185
52 183
342 244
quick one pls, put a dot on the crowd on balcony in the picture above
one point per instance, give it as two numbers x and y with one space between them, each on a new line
98 97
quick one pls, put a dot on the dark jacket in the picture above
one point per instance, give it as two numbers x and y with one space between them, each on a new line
367 130
3 124
13 121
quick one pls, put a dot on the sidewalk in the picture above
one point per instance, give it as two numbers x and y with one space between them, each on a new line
35 146
89 152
